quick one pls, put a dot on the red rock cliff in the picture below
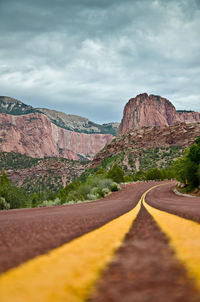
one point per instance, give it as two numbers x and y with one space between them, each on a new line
152 110
35 135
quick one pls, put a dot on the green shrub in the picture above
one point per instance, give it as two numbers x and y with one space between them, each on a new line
50 203
153 174
115 187
3 204
116 174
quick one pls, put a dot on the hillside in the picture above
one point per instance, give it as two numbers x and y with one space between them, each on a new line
78 123
12 106
67 121
37 175
147 147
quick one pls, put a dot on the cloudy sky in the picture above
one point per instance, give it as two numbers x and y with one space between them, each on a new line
89 57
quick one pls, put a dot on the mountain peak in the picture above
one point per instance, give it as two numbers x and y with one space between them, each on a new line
152 110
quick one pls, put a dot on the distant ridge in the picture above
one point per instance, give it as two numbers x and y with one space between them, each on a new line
70 122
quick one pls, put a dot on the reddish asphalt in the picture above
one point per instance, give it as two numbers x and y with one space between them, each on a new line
27 233
145 269
164 198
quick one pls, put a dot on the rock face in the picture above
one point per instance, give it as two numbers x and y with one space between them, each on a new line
34 135
133 144
152 110
70 122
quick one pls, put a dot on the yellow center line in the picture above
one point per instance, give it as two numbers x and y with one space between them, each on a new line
69 272
184 237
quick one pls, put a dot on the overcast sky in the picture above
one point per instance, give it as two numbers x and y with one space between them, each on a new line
89 57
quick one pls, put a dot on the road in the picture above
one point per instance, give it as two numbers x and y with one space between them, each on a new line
27 233
142 255
163 198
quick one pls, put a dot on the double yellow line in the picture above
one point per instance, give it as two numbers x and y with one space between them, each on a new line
184 238
70 272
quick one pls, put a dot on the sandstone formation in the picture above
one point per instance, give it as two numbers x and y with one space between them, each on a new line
180 135
34 135
70 122
152 110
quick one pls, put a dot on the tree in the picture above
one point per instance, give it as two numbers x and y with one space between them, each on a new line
153 174
187 169
116 174
4 180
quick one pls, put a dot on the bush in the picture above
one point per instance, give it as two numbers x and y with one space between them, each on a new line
50 203
3 204
115 187
96 186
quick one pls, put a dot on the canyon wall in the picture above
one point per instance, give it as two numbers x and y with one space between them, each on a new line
34 135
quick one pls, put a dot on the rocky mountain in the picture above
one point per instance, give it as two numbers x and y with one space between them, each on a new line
77 123
67 121
148 147
36 136
153 110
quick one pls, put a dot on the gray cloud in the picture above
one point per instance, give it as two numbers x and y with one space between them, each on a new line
88 57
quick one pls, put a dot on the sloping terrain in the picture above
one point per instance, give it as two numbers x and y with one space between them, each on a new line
78 123
148 147
37 174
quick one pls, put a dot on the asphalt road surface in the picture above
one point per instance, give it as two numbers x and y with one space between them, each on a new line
163 198
144 268
27 233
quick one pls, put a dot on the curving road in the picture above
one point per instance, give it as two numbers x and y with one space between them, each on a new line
27 233
157 261
163 198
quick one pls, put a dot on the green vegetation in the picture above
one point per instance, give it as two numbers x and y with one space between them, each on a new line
46 182
187 168
115 159
158 157
13 197
96 186
45 176
97 182
10 196
93 185
12 160
14 107
116 174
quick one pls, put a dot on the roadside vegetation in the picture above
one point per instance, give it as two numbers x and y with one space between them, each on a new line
187 168
88 188
98 182
13 197
13 160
